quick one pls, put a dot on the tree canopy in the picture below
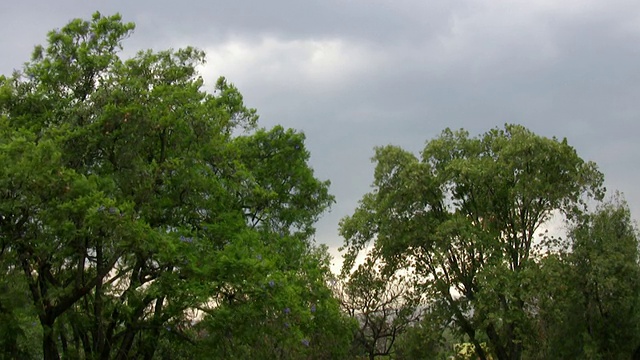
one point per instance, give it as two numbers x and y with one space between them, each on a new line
464 219
135 204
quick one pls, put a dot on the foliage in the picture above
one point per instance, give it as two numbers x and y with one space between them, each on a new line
384 306
132 200
291 313
590 303
464 219
430 338
605 256
18 333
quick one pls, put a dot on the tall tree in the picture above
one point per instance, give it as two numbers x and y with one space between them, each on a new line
129 201
464 219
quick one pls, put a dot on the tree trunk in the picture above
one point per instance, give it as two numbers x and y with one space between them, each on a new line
152 343
49 346
494 339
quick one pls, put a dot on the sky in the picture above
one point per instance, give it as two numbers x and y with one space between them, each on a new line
355 74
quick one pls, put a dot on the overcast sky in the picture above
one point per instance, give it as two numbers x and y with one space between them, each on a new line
353 74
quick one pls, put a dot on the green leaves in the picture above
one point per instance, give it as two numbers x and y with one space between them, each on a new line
276 304
605 257
464 218
281 192
130 203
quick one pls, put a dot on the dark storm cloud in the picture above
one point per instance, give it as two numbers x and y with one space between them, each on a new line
353 74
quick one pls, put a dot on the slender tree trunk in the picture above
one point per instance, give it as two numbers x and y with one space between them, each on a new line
515 346
49 346
125 346
152 343
98 340
470 331
494 338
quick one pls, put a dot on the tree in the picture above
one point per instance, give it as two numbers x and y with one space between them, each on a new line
384 306
604 258
464 219
588 300
129 201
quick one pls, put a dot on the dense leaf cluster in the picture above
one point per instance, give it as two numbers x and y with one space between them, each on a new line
465 220
142 217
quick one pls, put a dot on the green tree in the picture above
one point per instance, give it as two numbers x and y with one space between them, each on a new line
384 306
129 202
605 261
464 219
605 256
588 300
